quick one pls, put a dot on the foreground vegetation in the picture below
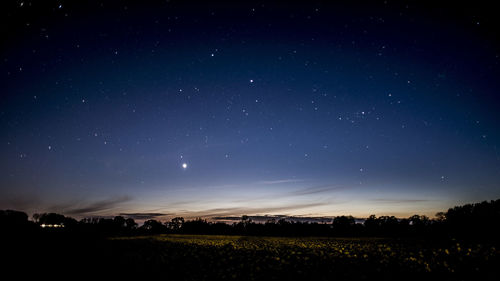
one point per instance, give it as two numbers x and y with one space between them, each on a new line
216 257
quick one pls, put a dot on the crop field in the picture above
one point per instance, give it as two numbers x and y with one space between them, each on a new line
210 257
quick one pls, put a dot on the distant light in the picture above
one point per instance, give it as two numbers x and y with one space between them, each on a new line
52 225
251 80
184 165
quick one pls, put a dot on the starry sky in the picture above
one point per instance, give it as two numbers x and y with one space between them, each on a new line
156 109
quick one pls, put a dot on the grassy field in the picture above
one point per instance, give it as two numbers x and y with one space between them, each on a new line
210 257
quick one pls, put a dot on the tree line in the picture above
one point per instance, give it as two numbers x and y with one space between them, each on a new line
479 220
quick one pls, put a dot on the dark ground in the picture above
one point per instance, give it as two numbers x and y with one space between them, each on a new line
205 257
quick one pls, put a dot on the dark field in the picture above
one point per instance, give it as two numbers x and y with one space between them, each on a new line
214 257
200 257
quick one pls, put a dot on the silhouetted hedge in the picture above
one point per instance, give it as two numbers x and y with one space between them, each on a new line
470 221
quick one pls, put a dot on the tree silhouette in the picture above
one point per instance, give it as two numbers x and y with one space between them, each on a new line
119 222
470 221
176 224
13 221
130 224
36 217
154 226
343 225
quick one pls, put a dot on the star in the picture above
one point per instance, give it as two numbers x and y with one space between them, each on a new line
184 166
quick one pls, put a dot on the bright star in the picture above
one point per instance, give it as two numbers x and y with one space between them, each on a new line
184 165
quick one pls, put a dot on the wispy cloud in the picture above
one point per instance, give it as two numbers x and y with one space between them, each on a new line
280 181
19 202
262 219
237 211
143 216
88 208
399 200
296 193
316 189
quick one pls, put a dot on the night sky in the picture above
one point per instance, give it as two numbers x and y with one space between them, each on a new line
198 109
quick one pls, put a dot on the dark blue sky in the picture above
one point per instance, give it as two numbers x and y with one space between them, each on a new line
309 109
